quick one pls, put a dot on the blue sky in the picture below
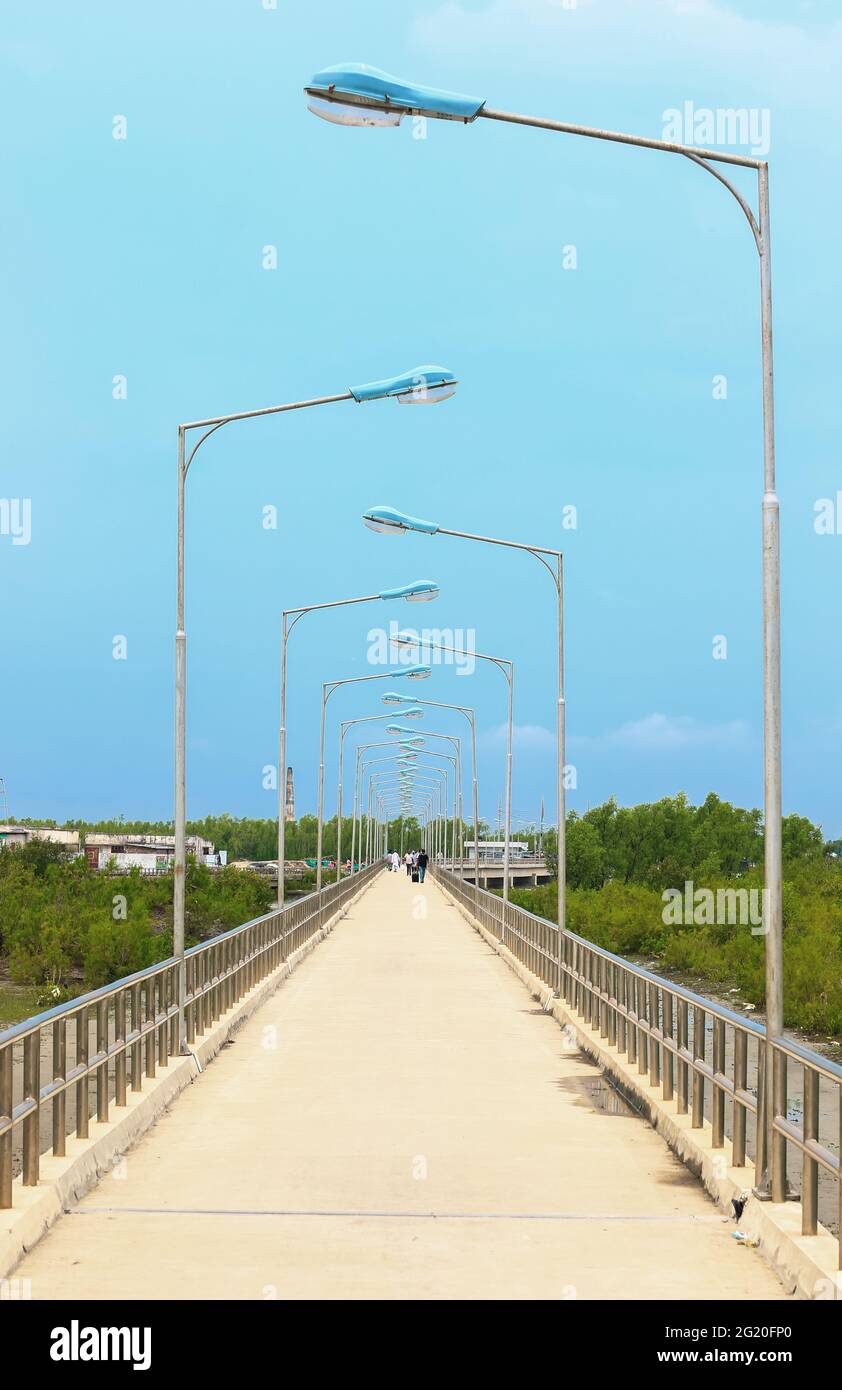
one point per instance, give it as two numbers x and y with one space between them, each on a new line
588 387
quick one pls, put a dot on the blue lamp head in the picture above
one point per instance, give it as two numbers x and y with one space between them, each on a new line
390 522
422 591
420 386
393 698
358 95
415 673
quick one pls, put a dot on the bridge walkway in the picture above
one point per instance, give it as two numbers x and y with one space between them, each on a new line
399 1121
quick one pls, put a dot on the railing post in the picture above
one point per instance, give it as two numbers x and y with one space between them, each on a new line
102 1065
698 1079
718 1096
6 1107
60 1098
137 1060
151 1015
83 1101
163 1022
669 1059
810 1168
32 1091
683 1065
738 1144
654 1048
778 1141
761 1133
622 1003
120 1045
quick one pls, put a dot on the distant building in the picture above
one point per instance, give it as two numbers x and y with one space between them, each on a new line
493 851
149 853
16 835
289 810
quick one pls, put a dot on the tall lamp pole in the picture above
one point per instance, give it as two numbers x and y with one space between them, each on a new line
421 591
328 687
360 749
394 698
343 729
417 387
503 664
359 95
455 741
388 521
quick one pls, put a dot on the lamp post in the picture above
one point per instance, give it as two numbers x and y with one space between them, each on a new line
361 748
411 777
421 591
503 664
343 729
456 743
421 779
359 95
417 387
388 521
395 698
328 687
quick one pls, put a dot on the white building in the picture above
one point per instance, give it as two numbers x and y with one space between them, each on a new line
15 835
150 853
493 851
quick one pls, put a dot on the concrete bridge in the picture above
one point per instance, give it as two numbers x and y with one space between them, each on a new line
523 873
393 1106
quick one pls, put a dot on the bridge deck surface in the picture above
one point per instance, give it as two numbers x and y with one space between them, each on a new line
400 1120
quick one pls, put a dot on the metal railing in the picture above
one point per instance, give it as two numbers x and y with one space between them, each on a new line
95 1048
708 1059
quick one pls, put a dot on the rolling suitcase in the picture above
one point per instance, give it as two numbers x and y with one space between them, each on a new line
414 875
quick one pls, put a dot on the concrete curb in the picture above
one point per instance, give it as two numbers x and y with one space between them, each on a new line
806 1265
65 1180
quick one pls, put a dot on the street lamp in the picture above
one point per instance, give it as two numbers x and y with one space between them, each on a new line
431 777
417 387
421 591
328 687
423 777
360 749
457 785
393 697
411 640
382 783
354 95
388 521
414 712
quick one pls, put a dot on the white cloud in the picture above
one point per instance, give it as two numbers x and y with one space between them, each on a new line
664 733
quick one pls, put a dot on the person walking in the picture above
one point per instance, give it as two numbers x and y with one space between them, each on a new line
394 861
407 859
422 865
